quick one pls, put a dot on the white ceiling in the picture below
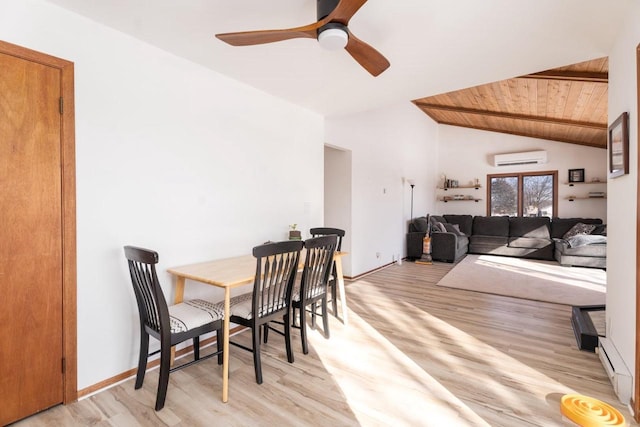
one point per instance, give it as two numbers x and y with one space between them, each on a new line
434 46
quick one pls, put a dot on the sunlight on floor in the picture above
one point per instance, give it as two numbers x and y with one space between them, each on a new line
405 380
588 278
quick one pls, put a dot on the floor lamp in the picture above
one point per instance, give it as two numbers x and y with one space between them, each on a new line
412 183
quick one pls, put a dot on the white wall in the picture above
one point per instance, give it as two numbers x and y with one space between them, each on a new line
170 156
388 146
466 154
623 195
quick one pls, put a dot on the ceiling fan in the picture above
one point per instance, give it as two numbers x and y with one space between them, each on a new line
331 31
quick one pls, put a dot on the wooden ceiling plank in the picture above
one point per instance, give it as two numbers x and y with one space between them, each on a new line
427 106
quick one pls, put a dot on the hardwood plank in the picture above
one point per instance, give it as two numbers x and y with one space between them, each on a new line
412 354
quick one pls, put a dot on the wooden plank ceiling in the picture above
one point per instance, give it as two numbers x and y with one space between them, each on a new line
566 104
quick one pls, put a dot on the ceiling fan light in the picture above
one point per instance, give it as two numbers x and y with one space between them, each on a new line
333 39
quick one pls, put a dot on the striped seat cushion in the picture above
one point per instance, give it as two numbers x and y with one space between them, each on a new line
192 314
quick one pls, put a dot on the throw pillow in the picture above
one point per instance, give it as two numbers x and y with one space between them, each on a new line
454 228
600 230
421 224
441 227
579 228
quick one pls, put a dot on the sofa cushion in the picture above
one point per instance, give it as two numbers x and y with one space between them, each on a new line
600 230
464 221
598 250
420 224
453 228
536 227
559 226
491 226
579 228
529 242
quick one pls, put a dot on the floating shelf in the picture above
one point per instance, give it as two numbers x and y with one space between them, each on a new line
571 184
459 200
571 199
460 186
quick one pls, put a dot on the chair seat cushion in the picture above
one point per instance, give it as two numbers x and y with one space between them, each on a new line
241 305
191 314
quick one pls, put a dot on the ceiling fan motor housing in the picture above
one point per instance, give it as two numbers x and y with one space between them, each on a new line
325 7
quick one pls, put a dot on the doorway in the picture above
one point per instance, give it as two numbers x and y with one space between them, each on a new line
337 196
37 240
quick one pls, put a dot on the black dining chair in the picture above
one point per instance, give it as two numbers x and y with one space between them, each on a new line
313 284
333 282
170 325
276 268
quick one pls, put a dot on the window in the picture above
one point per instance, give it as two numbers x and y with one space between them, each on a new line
523 194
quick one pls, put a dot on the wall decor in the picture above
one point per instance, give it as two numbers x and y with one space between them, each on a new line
618 139
576 175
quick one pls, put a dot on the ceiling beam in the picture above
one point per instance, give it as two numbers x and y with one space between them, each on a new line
602 144
462 110
575 76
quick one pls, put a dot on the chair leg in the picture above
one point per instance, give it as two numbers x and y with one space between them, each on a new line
325 318
313 315
287 337
196 348
163 381
255 332
266 332
142 359
303 329
334 294
220 344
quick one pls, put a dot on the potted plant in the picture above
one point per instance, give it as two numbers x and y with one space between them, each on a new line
293 233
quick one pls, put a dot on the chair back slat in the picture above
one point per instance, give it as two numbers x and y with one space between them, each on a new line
317 265
276 267
152 306
325 231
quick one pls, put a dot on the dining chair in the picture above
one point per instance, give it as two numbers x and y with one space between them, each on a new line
313 284
324 231
170 325
276 268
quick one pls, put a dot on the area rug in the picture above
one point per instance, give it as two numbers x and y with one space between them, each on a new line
529 279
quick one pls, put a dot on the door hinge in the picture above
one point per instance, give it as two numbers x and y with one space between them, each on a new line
61 105
64 365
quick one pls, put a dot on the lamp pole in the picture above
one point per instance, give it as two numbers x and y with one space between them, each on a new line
412 184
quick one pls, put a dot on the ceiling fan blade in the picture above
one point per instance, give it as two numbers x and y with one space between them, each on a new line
344 11
370 59
247 38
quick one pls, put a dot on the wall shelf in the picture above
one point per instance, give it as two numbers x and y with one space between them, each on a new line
571 184
458 200
571 199
458 187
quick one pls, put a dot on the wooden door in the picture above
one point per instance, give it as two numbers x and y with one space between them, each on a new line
31 238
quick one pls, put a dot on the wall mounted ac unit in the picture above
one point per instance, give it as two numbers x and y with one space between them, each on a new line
617 371
526 158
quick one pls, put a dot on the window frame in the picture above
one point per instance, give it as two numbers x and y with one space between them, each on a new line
520 176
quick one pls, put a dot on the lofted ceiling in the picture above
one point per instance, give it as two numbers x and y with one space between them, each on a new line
567 104
433 47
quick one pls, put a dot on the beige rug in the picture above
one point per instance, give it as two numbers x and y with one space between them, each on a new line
529 279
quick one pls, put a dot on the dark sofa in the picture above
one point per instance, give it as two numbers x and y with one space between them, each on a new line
524 237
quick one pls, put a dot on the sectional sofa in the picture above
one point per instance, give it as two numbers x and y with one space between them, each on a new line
570 241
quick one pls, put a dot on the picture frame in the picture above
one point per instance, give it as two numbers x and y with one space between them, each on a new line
576 175
618 145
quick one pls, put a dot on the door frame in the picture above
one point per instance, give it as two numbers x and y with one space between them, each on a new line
635 400
68 166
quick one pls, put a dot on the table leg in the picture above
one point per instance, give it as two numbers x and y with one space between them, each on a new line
340 283
179 297
225 345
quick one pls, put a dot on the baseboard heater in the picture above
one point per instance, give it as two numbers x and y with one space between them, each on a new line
616 369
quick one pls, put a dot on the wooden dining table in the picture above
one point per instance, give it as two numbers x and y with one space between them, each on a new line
231 273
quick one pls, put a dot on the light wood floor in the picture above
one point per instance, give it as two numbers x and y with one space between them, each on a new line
413 354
